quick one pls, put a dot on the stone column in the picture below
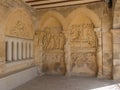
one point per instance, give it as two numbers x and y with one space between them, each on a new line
31 50
38 52
19 51
68 58
9 51
28 50
99 51
107 42
24 50
107 55
67 53
15 51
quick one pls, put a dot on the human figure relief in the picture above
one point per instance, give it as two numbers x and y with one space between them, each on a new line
62 40
74 34
53 40
88 36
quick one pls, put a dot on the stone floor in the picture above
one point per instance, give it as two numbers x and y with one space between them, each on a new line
68 83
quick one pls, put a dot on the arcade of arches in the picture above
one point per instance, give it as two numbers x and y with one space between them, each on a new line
78 40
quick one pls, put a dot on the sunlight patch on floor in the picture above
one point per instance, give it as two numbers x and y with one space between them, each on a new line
111 87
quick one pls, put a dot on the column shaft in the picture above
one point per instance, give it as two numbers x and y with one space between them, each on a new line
19 51
24 50
15 51
9 51
27 50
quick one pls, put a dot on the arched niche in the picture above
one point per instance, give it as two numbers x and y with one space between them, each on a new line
17 27
19 24
54 14
87 12
83 42
52 41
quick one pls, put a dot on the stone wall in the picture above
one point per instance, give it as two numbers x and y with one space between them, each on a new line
17 20
116 14
116 53
71 40
87 43
116 40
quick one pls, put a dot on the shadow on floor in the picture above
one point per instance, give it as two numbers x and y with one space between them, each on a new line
69 83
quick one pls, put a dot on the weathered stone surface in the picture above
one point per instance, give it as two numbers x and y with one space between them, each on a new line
82 45
16 20
71 40
116 54
21 25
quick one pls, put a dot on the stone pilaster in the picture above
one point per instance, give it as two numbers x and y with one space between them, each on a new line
107 43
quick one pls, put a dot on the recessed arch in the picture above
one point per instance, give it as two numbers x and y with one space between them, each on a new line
83 41
55 15
51 27
19 24
86 12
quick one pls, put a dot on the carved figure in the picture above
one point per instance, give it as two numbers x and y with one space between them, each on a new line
84 62
83 34
53 40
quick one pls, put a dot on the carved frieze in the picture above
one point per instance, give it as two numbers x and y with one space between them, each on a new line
83 44
19 24
84 63
83 36
53 39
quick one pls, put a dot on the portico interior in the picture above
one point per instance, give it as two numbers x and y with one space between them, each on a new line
58 37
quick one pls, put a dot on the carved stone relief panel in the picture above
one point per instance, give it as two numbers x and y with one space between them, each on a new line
54 63
83 45
53 41
19 25
84 63
83 36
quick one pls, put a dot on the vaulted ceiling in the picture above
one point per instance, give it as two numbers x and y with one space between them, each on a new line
40 4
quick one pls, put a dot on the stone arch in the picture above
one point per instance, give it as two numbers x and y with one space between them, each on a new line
87 12
52 26
83 18
18 27
54 14
19 24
